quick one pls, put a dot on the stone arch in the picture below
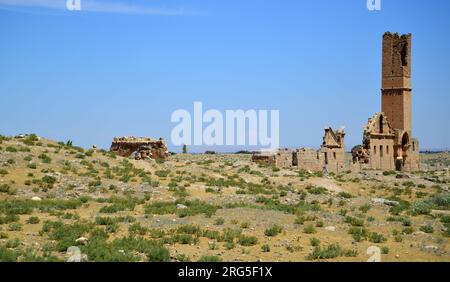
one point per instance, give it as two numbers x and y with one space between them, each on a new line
405 146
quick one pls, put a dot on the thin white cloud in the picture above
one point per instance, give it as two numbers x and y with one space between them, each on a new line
111 6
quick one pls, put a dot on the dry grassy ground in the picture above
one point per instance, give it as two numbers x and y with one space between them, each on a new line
212 207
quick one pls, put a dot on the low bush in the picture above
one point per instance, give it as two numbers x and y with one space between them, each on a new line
7 255
247 240
210 259
330 252
33 220
427 229
273 231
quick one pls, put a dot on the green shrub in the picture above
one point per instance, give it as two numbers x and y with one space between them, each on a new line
11 149
345 195
353 221
162 173
359 234
273 231
314 242
365 208
9 218
183 258
219 221
408 230
66 234
376 238
5 188
309 229
438 202
121 204
158 253
7 255
193 208
45 159
330 252
184 239
210 259
247 240
421 208
229 245
316 190
48 181
427 229
245 225
15 226
33 220
32 165
137 229
265 248
13 243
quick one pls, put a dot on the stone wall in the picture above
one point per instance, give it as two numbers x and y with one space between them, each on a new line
264 159
140 146
308 159
284 158
333 159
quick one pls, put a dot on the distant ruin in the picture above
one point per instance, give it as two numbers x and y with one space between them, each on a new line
140 148
387 138
330 157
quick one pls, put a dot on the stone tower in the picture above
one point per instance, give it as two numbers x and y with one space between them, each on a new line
396 99
396 81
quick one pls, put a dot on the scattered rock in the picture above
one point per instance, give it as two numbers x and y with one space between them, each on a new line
75 255
431 248
81 240
181 207
440 212
419 233
385 202
330 228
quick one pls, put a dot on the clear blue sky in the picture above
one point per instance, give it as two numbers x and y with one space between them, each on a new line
122 67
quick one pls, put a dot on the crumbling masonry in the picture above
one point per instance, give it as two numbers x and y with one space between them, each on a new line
330 157
387 139
140 147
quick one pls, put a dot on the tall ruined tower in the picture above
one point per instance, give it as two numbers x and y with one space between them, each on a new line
388 142
396 80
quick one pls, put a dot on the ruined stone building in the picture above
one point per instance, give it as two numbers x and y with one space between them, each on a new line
279 158
333 150
388 142
330 157
140 147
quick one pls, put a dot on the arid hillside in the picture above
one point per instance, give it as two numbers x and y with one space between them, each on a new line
212 207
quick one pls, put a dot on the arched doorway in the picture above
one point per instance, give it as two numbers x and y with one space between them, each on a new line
405 146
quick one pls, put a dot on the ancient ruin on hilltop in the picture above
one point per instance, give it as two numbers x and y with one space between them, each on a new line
387 139
140 147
